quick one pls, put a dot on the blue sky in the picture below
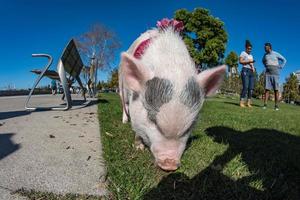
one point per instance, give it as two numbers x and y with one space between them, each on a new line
28 27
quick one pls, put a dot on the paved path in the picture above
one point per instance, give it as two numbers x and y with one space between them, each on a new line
53 151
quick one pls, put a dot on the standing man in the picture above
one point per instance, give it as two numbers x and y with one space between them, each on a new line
273 61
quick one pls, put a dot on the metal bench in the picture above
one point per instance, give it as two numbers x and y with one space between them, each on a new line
69 63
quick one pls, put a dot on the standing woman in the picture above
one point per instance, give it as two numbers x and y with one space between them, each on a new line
247 74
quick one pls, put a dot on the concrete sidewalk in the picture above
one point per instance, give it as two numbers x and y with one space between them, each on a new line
53 151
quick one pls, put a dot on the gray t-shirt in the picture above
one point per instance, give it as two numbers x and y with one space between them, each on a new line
273 61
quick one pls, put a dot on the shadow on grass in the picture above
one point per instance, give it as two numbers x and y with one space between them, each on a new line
191 139
271 156
6 145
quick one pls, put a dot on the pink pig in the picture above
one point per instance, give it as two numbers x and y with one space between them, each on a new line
162 93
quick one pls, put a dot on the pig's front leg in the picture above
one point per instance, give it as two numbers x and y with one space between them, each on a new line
138 142
124 99
125 116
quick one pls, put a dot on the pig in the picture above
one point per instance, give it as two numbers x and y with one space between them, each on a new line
162 93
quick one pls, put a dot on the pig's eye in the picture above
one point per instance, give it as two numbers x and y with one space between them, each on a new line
187 131
190 128
135 96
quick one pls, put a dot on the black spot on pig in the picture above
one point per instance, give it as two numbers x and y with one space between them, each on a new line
158 92
191 94
135 96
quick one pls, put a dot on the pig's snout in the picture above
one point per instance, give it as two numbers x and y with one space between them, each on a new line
168 164
167 154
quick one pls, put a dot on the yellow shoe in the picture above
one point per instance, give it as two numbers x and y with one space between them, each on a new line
242 104
249 104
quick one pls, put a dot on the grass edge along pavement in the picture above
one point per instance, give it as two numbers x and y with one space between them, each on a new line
37 195
234 153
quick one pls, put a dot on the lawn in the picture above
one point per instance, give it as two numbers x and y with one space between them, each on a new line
233 153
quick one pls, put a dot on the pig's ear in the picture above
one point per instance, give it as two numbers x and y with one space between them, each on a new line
211 79
134 72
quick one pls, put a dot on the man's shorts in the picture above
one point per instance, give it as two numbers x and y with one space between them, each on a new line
272 82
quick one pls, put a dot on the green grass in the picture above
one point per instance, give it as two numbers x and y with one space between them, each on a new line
37 195
233 153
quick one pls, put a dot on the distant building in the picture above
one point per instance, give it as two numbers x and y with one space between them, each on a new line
297 73
233 71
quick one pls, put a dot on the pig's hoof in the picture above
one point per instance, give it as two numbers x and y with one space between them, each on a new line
124 118
140 146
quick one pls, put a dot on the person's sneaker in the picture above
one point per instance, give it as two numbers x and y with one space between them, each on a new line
264 107
276 108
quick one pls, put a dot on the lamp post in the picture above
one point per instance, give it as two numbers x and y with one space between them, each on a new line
93 74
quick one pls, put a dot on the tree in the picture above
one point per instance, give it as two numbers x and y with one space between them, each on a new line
85 73
114 79
259 88
231 85
232 62
290 88
232 82
204 36
111 83
102 85
97 48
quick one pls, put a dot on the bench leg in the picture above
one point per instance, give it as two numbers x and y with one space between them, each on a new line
64 82
38 79
81 86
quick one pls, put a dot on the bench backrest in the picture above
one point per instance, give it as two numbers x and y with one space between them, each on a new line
71 59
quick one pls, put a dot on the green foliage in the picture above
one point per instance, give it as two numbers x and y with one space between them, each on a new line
112 82
114 79
231 84
259 87
204 36
101 85
232 60
291 89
